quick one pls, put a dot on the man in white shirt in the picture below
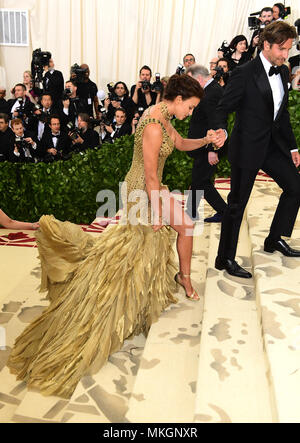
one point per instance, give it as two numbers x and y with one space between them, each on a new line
262 138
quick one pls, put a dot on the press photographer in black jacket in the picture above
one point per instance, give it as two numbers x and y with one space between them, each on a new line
72 104
55 144
7 137
25 146
84 137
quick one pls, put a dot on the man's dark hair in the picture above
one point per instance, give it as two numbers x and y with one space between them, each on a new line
46 94
84 117
19 84
5 118
125 87
183 85
266 10
54 117
146 68
15 122
277 33
223 60
186 55
72 81
122 110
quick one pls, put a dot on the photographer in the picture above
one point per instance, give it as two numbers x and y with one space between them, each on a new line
205 160
188 60
240 54
265 18
7 137
20 107
72 104
135 122
141 93
222 72
118 129
39 123
84 137
86 89
278 12
3 103
25 145
119 98
53 82
55 144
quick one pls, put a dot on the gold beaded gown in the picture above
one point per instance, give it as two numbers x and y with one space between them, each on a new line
101 290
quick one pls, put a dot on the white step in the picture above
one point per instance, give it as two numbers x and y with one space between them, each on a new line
278 298
232 385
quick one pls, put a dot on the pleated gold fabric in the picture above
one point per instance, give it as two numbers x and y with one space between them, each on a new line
101 291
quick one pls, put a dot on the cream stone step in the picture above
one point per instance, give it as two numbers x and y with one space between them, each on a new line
232 383
164 391
278 299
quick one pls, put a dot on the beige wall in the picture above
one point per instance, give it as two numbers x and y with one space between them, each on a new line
117 37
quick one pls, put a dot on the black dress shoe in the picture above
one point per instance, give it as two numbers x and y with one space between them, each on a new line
281 246
232 268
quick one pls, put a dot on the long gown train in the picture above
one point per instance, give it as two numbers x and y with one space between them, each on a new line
101 291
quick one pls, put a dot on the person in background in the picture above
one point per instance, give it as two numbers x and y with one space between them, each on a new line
8 223
240 55
188 60
224 64
118 129
3 103
32 93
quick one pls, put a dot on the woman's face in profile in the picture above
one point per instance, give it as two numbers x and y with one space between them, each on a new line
185 108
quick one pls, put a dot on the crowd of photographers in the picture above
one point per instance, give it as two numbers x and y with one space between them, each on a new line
49 119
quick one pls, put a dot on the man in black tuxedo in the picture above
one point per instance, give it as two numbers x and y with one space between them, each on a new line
25 146
7 137
205 160
39 123
3 103
53 83
262 138
118 129
20 107
87 138
55 144
72 105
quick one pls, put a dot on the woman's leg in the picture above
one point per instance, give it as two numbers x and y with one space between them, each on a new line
175 216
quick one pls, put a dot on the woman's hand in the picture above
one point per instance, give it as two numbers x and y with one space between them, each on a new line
35 226
217 138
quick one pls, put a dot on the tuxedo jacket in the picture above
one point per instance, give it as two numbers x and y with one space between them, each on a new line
28 107
249 94
33 124
54 85
4 106
203 117
63 144
124 130
34 152
6 142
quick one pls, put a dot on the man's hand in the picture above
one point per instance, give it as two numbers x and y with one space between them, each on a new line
79 140
16 150
116 104
255 41
106 103
296 159
66 103
109 129
222 137
52 151
29 140
213 158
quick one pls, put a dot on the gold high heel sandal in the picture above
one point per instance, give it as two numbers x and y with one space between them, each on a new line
177 276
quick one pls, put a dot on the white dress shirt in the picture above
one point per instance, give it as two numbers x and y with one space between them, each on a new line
276 86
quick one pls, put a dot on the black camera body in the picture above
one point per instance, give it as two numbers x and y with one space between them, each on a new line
74 132
66 94
111 93
157 86
22 144
44 116
146 85
20 110
40 59
104 117
225 48
78 74
180 69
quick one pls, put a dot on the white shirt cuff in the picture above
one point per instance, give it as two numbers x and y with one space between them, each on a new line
294 150
66 111
17 154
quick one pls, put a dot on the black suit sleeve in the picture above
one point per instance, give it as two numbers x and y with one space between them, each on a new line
231 99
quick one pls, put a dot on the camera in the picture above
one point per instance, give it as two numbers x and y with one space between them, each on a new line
146 85
78 74
40 59
74 132
111 93
157 85
104 118
20 109
66 94
180 69
43 117
22 144
227 52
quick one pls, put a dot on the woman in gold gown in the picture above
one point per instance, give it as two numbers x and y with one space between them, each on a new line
104 290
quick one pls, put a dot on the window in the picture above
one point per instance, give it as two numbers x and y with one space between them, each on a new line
14 28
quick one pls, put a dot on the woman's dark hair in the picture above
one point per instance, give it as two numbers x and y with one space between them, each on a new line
238 39
281 8
223 60
277 33
125 87
183 85
85 117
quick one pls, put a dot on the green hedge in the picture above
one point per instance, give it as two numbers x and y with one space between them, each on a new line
68 189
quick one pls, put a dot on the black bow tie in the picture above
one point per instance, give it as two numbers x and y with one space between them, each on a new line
274 70
55 136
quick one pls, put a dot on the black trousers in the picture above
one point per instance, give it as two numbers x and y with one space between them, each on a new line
285 174
202 181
